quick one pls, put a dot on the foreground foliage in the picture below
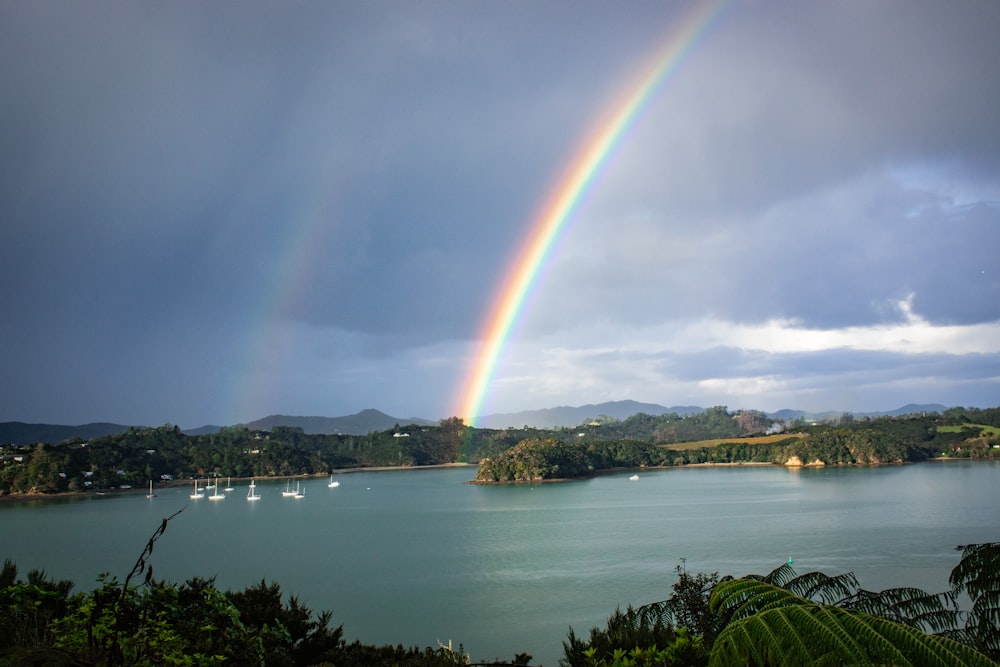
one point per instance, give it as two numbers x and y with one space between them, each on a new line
812 619
781 618
192 624
769 625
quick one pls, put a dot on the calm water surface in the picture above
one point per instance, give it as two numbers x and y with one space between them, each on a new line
418 556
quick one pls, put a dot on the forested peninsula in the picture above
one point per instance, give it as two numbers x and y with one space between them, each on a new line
165 455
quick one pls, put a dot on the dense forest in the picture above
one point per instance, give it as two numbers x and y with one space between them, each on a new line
131 459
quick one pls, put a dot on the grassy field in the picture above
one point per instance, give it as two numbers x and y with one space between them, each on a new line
988 431
756 440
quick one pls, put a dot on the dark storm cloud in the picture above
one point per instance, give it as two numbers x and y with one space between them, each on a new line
194 194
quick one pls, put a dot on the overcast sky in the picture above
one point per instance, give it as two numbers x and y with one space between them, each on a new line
214 211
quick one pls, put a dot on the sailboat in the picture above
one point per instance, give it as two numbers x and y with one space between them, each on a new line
252 492
332 483
216 494
197 493
229 484
150 494
288 493
298 493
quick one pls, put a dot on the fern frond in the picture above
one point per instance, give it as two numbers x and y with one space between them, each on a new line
779 576
655 612
819 634
987 607
931 612
979 570
741 598
822 587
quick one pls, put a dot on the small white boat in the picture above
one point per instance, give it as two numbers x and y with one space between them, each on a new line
216 494
288 493
229 484
197 493
333 484
252 492
298 493
150 494
634 478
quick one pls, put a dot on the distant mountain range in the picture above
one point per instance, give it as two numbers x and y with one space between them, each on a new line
371 420
574 416
361 423
366 421
19 433
908 409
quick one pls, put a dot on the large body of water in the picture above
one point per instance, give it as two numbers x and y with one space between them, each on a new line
418 556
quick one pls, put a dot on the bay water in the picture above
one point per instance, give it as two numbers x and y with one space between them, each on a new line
414 557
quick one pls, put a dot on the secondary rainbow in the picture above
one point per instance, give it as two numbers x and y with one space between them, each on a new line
563 199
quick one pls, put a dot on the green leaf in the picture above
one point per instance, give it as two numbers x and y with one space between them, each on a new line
776 627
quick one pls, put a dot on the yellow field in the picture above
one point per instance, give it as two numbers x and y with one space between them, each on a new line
755 440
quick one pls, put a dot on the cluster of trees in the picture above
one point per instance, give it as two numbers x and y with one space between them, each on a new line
987 416
855 444
787 619
536 459
714 422
886 440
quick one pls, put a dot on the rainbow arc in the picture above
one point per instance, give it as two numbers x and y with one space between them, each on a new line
563 199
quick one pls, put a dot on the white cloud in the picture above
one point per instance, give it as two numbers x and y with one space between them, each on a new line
777 362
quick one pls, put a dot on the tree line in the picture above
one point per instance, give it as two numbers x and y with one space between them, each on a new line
133 458
878 441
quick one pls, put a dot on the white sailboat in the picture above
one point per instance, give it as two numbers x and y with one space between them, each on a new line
216 494
197 493
229 484
150 494
332 483
252 492
298 493
288 493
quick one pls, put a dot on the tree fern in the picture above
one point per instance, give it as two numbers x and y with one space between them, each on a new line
773 626
978 575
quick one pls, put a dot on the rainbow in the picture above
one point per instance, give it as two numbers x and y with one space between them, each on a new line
563 199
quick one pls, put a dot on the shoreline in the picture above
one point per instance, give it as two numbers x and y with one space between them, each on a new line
168 484
611 471
174 483
737 464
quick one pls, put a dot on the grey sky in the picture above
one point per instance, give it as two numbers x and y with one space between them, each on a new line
215 211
